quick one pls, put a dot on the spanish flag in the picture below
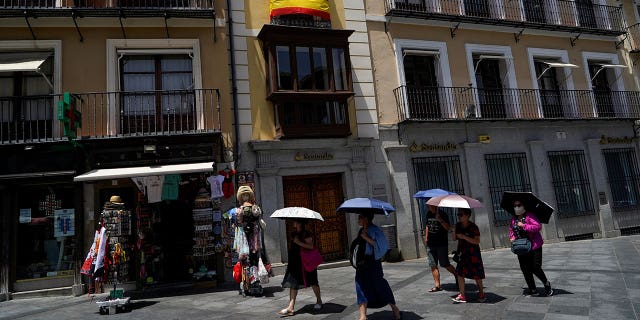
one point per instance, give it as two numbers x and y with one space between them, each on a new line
318 8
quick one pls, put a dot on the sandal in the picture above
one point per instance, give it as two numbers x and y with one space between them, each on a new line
285 312
435 289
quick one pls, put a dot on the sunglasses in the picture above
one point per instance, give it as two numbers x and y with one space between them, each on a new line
460 214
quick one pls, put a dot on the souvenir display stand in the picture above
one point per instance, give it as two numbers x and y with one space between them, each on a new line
204 253
247 225
117 221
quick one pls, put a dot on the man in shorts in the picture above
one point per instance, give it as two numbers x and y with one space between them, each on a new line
436 239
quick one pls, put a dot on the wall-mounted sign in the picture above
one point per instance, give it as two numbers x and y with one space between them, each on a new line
617 140
433 147
312 156
64 223
484 138
25 215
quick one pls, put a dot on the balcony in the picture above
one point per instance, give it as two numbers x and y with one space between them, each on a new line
107 8
553 15
634 38
31 119
468 103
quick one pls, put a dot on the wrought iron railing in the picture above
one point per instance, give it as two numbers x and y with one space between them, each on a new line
143 4
300 20
111 8
633 33
446 103
542 14
112 114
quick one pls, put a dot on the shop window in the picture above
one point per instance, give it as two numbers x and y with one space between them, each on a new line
571 183
507 172
624 178
441 173
308 79
46 234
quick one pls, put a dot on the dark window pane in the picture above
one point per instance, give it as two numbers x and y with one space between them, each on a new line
283 61
303 62
320 69
339 69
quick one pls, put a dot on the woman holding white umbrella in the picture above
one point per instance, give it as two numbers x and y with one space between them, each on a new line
298 275
467 233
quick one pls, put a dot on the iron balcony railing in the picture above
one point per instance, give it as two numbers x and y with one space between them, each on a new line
30 119
301 20
450 103
120 8
560 15
633 33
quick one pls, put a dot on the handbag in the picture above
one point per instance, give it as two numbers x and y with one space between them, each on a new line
521 246
311 259
356 252
456 256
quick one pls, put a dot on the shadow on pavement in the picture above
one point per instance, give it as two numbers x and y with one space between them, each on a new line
558 292
327 308
387 314
134 305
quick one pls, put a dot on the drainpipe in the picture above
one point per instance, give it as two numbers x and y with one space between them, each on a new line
234 88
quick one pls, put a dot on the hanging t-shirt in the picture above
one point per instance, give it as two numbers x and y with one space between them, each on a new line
170 187
216 186
154 188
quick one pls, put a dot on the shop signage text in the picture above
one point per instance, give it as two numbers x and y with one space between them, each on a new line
616 140
433 147
311 156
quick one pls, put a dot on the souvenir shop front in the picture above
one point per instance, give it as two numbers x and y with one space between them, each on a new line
167 220
163 215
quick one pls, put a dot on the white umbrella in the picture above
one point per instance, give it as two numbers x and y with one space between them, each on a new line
455 201
296 213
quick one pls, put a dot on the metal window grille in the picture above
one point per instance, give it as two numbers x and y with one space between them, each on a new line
507 172
438 172
571 183
624 178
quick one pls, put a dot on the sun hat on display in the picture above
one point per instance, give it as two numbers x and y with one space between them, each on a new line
116 200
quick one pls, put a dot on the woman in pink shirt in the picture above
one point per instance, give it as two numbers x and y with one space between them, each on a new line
525 224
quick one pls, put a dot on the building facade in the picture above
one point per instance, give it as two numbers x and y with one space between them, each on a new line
308 123
482 97
93 94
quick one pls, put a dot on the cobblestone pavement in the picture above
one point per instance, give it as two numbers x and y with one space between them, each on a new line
592 279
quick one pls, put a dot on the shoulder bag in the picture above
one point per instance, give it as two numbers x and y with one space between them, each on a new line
521 246
311 259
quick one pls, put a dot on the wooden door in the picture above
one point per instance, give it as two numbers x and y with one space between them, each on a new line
322 193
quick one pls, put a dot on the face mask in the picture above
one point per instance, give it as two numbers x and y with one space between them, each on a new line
519 210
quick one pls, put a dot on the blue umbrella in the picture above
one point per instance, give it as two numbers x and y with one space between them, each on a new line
365 205
423 194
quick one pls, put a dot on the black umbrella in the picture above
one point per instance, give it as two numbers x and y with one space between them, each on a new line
541 209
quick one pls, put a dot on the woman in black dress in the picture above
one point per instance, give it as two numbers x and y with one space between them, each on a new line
470 265
295 277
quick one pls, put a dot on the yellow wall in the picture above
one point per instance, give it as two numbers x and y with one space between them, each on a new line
84 63
262 111
386 67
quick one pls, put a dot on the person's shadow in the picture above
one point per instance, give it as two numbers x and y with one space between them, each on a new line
388 314
327 308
